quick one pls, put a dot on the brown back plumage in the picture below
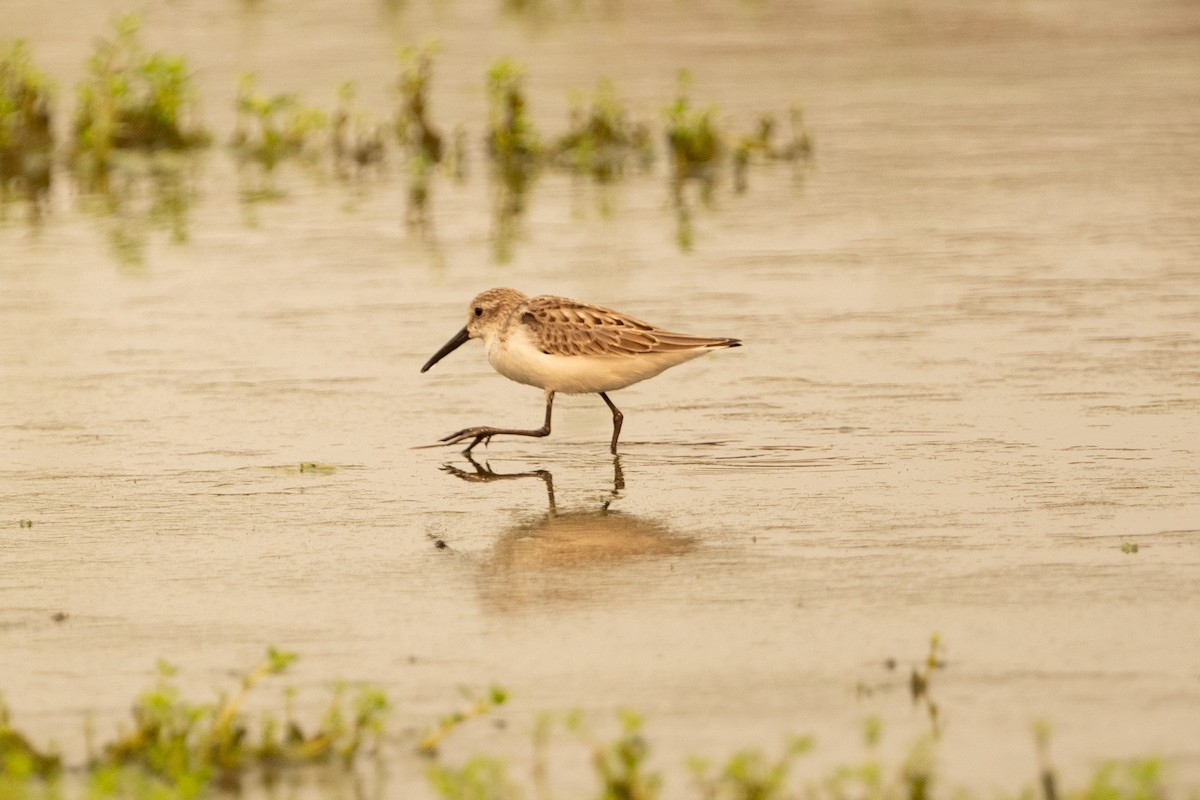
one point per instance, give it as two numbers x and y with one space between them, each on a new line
570 328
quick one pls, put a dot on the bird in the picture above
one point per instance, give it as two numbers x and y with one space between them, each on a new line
568 346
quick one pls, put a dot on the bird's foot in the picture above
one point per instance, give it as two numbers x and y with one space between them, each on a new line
484 433
480 433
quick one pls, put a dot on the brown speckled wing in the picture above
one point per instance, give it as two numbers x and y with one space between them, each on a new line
570 328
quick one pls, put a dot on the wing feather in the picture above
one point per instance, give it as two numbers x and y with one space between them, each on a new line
571 328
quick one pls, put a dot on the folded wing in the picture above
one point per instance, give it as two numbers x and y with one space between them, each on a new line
571 328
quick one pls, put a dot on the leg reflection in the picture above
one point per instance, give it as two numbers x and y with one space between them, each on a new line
483 473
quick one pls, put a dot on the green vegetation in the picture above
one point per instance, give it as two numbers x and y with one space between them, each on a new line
357 138
135 101
416 134
696 146
750 774
176 748
26 134
515 150
413 128
273 127
512 141
600 140
695 142
479 707
762 144
480 778
620 765
131 98
189 746
19 758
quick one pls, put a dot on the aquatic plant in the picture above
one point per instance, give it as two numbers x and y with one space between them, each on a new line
182 747
512 140
750 774
273 127
600 139
480 778
413 128
515 151
479 707
176 748
696 147
620 765
422 142
692 135
762 144
26 133
131 98
356 138
20 759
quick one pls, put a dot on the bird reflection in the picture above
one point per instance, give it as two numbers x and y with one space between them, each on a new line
483 473
567 557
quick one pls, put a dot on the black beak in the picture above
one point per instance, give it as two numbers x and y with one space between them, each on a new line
449 347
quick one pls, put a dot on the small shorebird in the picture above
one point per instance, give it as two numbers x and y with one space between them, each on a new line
563 345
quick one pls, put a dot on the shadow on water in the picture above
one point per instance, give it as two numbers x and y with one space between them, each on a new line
566 556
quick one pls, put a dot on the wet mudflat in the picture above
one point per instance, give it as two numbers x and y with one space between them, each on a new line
970 385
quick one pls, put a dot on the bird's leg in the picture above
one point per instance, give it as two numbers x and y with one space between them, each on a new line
483 433
618 418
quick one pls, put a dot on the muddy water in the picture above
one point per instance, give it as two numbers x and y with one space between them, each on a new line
972 374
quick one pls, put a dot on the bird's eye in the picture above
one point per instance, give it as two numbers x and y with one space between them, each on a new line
478 311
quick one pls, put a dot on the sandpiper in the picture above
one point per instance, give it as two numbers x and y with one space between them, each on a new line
562 345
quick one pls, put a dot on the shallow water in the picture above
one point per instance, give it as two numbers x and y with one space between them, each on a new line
971 373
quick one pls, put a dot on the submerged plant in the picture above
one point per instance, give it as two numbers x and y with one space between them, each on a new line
692 135
479 707
271 128
620 765
515 151
762 143
480 778
601 139
181 749
751 775
131 98
19 758
26 135
178 748
512 140
357 139
413 128
422 142
696 146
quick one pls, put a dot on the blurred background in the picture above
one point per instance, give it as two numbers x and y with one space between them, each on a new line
939 513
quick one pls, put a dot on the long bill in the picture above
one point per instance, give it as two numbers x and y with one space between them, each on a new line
449 347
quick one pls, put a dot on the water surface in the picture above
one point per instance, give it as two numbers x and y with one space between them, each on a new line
970 376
